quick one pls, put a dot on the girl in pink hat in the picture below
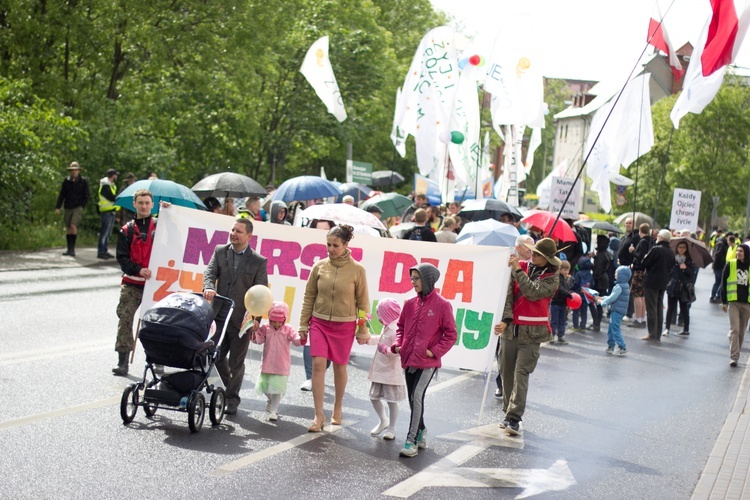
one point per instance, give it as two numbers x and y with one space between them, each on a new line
386 375
276 338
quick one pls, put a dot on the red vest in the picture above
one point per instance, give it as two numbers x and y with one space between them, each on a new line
140 248
530 312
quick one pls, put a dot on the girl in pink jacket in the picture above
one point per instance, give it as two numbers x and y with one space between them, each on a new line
386 374
276 338
425 332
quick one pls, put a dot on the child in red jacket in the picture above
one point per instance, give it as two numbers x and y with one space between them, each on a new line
425 332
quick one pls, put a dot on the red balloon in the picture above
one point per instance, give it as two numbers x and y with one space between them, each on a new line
574 301
475 60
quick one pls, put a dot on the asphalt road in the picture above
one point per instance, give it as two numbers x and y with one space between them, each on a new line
596 426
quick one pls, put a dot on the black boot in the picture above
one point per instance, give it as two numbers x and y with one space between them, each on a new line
122 364
71 238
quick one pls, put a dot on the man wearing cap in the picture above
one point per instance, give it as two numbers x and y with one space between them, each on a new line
107 212
525 325
74 195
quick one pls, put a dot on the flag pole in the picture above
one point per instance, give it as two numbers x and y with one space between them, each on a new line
663 174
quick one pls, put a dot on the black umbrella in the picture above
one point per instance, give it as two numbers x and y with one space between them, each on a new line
698 252
385 178
598 224
228 184
488 208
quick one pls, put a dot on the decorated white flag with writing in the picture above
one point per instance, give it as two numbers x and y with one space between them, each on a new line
319 73
466 155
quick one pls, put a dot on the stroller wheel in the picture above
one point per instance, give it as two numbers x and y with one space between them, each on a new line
129 403
196 411
150 409
216 408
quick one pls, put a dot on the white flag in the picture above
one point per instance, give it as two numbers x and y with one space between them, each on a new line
318 70
398 134
627 134
534 142
466 156
514 75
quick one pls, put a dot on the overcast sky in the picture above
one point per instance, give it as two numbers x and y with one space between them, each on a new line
583 39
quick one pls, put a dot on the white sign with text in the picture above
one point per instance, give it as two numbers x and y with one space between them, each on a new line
559 189
686 206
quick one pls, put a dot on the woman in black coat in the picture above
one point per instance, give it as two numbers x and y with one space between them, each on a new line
678 290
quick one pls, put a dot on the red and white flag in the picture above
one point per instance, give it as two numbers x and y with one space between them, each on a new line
721 37
657 36
725 34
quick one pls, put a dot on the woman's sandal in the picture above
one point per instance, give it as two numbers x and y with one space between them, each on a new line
336 420
316 426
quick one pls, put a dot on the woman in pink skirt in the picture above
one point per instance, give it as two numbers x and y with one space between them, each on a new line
335 296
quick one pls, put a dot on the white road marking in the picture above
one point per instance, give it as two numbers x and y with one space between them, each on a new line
57 351
256 457
253 458
59 413
448 472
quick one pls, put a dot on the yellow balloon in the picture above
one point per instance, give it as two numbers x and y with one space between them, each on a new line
258 300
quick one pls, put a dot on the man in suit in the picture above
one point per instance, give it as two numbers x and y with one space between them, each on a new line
233 269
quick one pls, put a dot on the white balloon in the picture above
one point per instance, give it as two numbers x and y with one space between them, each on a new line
258 300
445 137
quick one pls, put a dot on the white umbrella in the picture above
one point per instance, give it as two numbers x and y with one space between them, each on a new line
341 213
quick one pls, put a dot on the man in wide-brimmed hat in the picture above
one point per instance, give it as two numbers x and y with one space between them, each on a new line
73 197
525 325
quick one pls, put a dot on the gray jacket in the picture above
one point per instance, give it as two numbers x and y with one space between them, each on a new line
220 277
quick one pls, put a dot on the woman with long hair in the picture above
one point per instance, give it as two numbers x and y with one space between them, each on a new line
680 279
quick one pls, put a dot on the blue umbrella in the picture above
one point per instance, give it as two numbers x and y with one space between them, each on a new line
162 190
488 232
358 191
305 187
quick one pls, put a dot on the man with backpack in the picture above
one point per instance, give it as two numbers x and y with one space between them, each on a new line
420 231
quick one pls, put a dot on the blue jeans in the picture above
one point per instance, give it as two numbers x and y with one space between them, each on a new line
557 320
716 289
580 312
108 222
614 335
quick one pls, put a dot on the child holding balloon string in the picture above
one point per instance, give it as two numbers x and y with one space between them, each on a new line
276 337
618 302
559 305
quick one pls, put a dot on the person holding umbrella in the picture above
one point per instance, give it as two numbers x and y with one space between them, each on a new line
680 280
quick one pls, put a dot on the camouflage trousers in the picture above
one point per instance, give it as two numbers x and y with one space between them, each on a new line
130 299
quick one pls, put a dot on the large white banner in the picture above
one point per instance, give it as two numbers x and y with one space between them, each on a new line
686 207
473 278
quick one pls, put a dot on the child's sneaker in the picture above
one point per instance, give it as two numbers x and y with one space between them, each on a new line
562 341
621 352
273 416
422 439
409 450
610 350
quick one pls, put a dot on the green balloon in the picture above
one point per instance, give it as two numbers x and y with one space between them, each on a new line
457 137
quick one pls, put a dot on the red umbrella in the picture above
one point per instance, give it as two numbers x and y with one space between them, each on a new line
545 220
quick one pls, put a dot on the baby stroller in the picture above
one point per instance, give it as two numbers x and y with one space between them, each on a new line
175 333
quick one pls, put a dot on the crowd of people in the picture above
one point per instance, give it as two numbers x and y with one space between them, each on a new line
618 280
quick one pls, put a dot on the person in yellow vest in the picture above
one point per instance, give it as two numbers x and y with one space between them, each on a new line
107 212
732 248
735 298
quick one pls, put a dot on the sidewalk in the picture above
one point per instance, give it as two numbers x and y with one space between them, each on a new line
727 471
50 258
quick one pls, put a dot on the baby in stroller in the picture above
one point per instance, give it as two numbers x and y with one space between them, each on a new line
177 332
